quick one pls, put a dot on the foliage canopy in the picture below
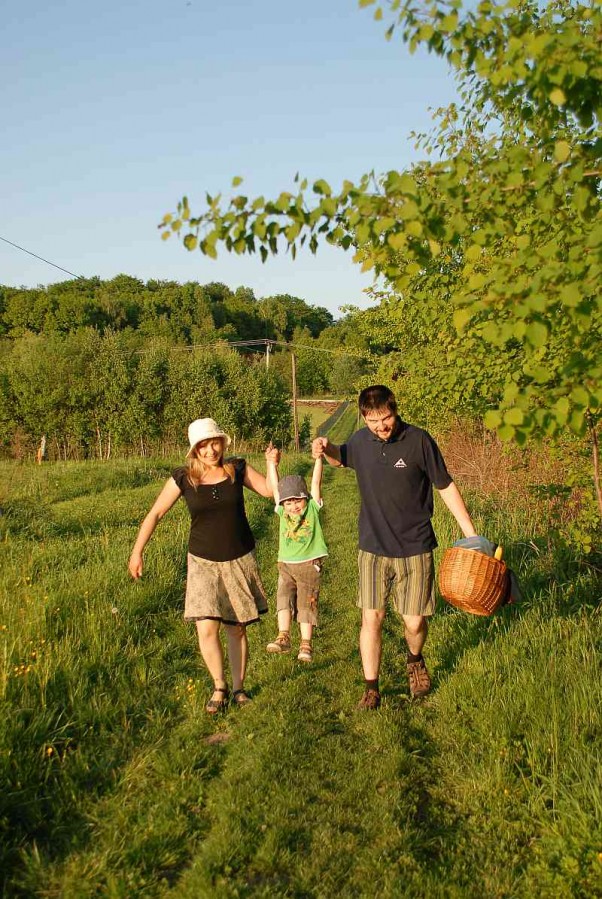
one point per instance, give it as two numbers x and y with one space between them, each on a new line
498 240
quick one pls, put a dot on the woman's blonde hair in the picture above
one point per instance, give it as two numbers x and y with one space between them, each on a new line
195 469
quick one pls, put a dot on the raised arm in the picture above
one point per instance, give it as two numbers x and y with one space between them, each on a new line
316 480
322 447
271 462
453 500
258 482
166 499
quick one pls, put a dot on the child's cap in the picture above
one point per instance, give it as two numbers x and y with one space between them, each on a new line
292 487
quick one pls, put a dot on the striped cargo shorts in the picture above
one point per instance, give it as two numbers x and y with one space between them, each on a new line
408 582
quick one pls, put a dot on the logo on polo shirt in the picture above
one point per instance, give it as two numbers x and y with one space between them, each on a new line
400 463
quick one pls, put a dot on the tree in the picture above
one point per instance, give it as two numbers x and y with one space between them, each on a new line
283 313
344 375
241 311
24 311
511 209
113 372
311 367
52 390
149 395
8 425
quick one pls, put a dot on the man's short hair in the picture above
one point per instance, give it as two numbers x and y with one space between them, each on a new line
377 397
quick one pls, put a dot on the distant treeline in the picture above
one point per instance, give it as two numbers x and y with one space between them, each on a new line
106 367
182 313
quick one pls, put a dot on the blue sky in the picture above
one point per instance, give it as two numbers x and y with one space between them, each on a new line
114 110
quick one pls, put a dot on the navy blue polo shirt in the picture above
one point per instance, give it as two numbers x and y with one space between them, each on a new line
395 480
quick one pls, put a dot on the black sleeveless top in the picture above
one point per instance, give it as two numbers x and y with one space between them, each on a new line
219 530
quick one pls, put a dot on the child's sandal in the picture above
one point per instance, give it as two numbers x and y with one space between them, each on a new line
218 705
305 651
241 697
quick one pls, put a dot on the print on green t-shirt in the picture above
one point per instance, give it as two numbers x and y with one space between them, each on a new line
301 537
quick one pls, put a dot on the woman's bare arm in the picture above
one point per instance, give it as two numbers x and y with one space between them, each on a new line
256 481
166 499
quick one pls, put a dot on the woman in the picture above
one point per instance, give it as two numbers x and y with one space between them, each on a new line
223 583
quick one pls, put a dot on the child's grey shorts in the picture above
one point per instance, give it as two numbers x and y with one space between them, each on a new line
409 583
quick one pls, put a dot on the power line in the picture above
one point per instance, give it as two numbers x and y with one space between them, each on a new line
35 255
256 344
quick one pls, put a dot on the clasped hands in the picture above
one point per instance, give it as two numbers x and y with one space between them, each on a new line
272 453
318 447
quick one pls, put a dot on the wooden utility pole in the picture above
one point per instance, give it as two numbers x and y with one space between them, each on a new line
295 419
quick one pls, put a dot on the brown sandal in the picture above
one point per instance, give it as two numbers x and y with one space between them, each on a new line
305 651
241 697
218 705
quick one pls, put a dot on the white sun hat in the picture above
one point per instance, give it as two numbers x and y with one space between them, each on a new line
205 429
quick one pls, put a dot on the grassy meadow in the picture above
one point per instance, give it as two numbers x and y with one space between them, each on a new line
116 783
317 414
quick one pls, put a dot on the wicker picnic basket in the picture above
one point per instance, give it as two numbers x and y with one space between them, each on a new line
472 581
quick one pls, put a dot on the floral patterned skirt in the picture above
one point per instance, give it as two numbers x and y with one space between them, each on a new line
231 592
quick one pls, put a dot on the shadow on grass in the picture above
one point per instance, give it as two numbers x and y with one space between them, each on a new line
467 632
33 521
433 825
23 518
34 516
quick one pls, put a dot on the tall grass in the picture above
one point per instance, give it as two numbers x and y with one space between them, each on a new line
116 783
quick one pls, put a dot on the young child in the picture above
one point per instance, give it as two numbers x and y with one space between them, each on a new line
300 552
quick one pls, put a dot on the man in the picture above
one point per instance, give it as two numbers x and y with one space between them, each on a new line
396 466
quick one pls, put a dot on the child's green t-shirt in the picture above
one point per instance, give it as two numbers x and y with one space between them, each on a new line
301 538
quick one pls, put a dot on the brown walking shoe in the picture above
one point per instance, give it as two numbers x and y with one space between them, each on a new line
282 643
420 681
370 699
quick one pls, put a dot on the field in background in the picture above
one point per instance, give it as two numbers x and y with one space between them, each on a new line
116 783
319 411
344 424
